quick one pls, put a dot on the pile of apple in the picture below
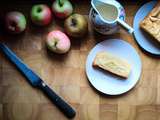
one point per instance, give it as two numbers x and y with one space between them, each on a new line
75 25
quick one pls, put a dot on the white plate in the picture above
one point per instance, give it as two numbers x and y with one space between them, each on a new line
106 82
143 39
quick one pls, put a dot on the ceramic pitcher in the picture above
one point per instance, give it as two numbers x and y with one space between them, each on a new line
107 15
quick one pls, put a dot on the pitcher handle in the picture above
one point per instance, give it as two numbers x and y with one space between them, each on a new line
126 26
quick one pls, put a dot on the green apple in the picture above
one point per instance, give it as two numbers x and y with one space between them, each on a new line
41 14
62 8
76 25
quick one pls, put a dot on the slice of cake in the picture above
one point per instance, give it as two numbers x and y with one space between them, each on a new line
112 64
151 23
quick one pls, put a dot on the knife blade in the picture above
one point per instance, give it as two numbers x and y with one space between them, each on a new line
37 82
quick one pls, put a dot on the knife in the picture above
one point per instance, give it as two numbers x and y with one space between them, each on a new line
37 82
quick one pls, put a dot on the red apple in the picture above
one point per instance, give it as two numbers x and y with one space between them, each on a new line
41 15
15 22
58 42
62 8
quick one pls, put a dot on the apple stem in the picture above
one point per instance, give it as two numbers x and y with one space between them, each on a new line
74 22
39 10
55 44
13 26
60 3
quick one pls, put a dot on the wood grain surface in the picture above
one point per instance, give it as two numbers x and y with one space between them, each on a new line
66 75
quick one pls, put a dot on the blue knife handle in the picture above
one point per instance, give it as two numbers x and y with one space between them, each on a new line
29 74
58 101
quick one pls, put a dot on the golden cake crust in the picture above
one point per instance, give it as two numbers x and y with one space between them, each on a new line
151 23
112 64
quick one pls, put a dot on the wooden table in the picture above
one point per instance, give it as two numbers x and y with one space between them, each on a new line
66 75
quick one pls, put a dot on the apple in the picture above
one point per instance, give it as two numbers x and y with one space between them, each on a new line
15 22
41 14
76 25
62 8
58 42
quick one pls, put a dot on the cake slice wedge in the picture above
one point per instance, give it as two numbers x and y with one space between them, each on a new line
151 23
112 64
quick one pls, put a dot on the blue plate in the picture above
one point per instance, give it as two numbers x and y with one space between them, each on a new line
143 39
